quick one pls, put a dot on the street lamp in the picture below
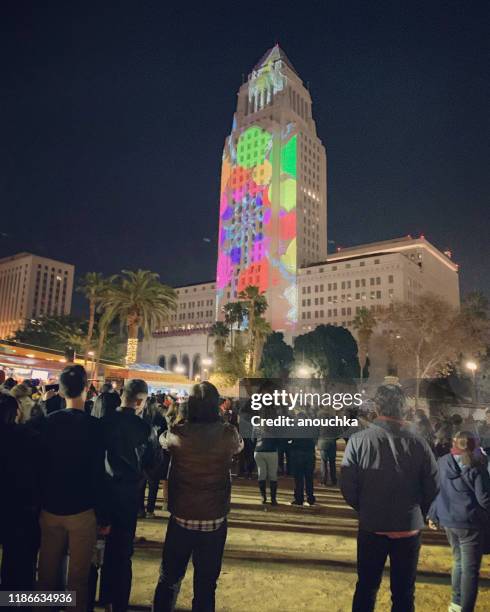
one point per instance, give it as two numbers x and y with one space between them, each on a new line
179 369
472 366
303 371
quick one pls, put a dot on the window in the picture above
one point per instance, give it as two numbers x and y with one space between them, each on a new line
390 278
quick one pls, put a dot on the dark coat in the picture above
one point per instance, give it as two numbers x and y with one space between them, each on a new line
464 498
389 476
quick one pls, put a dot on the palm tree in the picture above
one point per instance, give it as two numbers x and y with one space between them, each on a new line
235 313
256 304
262 331
140 301
94 287
364 324
219 331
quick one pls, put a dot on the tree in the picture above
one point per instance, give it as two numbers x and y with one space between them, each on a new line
141 302
53 332
235 313
220 332
477 305
330 350
277 357
261 332
94 287
256 305
429 334
63 332
364 323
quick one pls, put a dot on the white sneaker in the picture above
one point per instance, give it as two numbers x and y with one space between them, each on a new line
453 607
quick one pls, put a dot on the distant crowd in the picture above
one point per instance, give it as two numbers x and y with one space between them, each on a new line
79 466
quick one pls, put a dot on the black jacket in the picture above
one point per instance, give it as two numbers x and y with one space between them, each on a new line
19 473
132 447
389 476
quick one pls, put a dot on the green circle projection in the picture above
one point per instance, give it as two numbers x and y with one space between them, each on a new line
252 146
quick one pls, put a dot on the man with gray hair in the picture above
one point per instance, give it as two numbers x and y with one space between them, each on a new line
389 476
132 450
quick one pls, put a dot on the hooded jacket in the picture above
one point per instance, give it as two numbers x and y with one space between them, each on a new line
464 495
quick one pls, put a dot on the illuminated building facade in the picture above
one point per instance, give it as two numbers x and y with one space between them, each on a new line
31 287
273 197
273 234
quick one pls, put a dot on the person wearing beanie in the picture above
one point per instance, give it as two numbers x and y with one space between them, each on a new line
462 508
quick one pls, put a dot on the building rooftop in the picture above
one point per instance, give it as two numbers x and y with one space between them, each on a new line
384 247
272 54
26 254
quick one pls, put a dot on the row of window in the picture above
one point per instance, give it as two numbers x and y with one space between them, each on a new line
359 282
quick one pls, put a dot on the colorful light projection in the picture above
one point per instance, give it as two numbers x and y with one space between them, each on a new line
257 232
267 81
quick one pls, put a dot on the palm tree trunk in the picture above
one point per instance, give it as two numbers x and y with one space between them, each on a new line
102 333
132 345
90 332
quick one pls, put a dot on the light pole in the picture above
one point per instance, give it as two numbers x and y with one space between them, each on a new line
472 366
206 362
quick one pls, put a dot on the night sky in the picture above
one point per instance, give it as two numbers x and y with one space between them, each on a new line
114 114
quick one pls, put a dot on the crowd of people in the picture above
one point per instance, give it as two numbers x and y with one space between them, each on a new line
76 463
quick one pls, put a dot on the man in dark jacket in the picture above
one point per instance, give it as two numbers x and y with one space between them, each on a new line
202 451
132 449
389 476
72 493
19 510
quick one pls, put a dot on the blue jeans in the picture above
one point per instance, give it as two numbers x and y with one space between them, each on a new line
466 545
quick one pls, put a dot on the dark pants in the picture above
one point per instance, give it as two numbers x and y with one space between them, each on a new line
153 484
303 464
206 549
117 571
284 457
246 461
466 545
372 552
328 455
20 543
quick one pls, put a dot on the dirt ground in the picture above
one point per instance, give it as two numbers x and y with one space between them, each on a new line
287 559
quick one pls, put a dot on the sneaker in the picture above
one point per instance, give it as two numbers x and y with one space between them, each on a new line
151 515
453 607
295 503
310 503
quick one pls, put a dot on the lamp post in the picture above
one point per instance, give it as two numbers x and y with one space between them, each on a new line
472 366
304 371
206 362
